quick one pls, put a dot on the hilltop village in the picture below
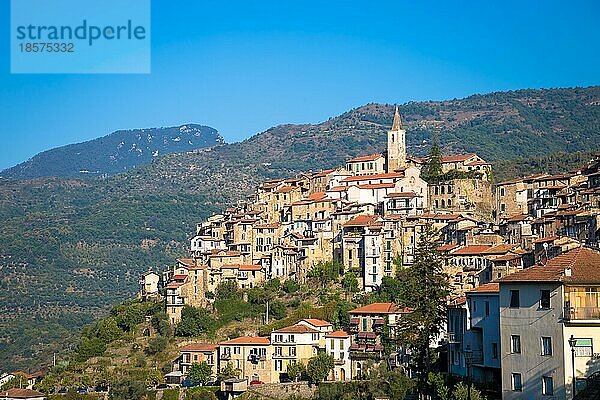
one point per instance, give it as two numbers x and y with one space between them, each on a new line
520 256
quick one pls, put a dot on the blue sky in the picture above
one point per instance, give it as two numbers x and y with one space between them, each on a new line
242 67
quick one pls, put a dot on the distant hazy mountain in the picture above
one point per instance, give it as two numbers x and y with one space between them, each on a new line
114 153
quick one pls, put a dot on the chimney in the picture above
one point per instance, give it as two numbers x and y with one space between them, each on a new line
568 271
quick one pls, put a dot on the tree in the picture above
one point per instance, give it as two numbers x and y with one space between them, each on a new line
127 389
461 392
277 309
433 170
273 285
202 395
295 370
425 290
199 373
88 348
228 372
318 367
227 290
156 345
290 286
194 322
326 272
350 283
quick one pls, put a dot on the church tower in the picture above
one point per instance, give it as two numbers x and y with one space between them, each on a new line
396 145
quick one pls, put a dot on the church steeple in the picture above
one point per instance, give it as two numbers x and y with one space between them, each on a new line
397 124
396 148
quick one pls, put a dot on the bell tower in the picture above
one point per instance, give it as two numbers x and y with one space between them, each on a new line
396 145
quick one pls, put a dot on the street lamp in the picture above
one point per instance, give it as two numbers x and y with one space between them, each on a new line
573 343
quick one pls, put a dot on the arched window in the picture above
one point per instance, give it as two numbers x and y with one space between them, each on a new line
443 203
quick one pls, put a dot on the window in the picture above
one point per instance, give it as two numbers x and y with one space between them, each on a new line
364 321
546 346
293 351
547 386
487 308
501 191
515 344
277 351
278 365
544 299
516 382
494 351
514 299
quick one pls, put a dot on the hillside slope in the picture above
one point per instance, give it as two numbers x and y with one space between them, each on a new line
114 153
71 247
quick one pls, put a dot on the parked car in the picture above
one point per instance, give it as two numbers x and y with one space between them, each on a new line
256 383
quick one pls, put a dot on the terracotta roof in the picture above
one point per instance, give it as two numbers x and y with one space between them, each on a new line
461 157
338 189
249 267
380 308
323 173
377 186
371 157
402 194
317 196
174 285
200 347
471 250
179 277
362 220
583 262
317 322
284 189
500 249
507 257
249 340
186 261
17 393
546 239
337 334
492 287
296 329
266 226
447 247
457 301
518 217
390 175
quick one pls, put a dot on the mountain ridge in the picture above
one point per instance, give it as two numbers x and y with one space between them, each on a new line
71 246
116 152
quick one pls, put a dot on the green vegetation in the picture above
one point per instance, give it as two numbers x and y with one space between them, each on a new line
74 247
319 367
199 373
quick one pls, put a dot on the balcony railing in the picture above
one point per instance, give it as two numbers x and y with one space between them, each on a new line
583 306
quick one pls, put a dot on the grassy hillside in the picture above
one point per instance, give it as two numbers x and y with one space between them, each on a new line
69 247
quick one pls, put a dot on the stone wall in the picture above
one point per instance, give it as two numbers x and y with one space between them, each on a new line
280 391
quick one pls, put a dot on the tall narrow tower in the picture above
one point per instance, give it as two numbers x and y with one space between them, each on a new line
396 145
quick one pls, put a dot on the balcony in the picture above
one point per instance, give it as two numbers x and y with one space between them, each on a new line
255 358
226 356
338 362
455 337
582 306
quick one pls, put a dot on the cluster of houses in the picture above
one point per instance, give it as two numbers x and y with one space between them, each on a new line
266 359
368 215
25 382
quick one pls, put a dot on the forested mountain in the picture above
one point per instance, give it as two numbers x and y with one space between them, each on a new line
114 153
70 247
